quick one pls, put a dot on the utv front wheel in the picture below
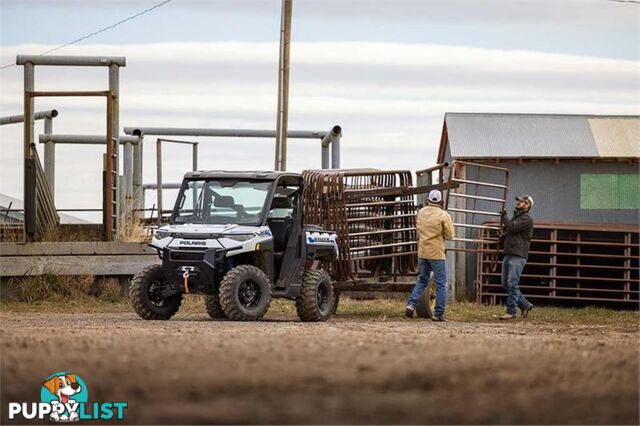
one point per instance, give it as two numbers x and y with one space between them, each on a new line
316 299
245 293
146 295
213 307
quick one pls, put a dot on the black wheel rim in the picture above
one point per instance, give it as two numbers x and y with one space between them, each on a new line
323 297
155 293
249 294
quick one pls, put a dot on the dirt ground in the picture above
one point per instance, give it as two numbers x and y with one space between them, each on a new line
347 370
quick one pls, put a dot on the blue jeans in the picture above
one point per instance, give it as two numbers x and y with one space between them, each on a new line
425 267
512 267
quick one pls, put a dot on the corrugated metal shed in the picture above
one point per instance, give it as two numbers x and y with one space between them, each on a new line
479 135
616 137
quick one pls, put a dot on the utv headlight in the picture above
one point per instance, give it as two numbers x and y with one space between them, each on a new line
239 237
162 234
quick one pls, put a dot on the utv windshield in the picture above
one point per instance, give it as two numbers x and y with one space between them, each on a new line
221 202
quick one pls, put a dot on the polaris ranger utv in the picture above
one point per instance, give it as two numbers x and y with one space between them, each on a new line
238 238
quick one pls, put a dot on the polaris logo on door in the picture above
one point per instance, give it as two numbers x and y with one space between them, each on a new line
193 243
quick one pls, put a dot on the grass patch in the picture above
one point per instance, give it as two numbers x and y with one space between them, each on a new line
109 298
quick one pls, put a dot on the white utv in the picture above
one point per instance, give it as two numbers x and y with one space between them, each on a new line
238 238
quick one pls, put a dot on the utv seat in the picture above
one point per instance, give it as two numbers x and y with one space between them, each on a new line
280 226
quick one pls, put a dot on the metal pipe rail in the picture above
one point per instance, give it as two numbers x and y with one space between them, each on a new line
75 61
477 197
380 246
380 232
58 138
479 212
468 225
40 115
471 182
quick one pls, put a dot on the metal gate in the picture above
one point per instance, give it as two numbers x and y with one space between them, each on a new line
474 193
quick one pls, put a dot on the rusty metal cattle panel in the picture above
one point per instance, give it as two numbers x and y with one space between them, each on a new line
571 263
374 214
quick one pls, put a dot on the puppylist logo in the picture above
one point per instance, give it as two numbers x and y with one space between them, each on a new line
64 397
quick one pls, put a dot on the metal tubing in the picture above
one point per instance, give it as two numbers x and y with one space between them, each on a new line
232 133
328 137
137 174
29 81
194 157
110 181
473 182
67 94
65 60
50 157
127 171
29 205
335 151
40 115
325 156
476 197
84 139
474 212
468 225
114 88
175 185
159 179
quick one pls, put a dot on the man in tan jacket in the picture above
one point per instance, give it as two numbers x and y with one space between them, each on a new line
434 226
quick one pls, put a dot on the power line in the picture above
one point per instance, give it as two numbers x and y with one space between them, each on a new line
99 31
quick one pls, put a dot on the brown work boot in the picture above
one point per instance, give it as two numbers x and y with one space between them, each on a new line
525 312
507 317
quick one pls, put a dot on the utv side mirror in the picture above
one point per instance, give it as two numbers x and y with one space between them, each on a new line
224 201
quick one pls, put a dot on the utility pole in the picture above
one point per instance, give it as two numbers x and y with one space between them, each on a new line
283 87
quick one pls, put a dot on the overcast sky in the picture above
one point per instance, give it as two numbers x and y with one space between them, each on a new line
386 71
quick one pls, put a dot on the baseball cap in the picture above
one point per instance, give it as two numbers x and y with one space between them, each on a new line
435 196
527 198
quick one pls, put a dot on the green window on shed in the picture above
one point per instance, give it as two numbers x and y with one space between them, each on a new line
598 192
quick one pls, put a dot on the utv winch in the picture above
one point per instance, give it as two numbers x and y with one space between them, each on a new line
238 238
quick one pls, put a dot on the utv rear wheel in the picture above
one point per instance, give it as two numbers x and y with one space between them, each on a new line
146 295
316 300
213 307
245 293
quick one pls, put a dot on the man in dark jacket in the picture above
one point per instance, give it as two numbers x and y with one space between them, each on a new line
517 238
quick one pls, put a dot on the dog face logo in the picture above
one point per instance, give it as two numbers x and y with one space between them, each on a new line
64 391
63 387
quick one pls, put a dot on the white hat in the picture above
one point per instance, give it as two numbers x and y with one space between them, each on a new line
435 196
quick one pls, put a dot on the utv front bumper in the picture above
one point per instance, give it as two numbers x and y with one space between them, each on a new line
203 264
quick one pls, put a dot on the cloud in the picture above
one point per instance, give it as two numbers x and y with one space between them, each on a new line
389 98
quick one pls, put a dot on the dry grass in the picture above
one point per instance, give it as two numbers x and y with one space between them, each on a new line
50 287
131 228
59 295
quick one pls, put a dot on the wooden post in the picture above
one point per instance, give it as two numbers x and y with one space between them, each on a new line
283 87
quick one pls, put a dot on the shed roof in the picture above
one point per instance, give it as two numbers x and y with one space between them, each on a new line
482 135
